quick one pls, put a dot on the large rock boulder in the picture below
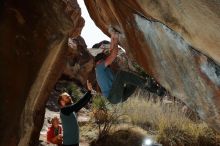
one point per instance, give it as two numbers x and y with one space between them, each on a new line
80 65
33 53
177 42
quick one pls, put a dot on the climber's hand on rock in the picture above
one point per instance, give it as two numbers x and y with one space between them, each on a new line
112 30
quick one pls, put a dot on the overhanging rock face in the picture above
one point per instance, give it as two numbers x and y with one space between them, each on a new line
33 52
177 42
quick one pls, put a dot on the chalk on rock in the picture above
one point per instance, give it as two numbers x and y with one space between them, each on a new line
112 30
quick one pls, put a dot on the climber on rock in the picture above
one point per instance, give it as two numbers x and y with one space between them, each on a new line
115 87
68 116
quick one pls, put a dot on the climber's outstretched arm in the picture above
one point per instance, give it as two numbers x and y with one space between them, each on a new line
113 49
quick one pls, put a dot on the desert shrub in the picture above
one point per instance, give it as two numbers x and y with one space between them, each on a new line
74 91
142 113
104 114
99 102
168 123
100 111
205 136
174 136
124 137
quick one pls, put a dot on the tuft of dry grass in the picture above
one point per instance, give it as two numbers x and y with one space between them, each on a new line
123 137
168 123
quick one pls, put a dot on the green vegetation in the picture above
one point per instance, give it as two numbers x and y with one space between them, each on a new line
99 102
74 90
104 117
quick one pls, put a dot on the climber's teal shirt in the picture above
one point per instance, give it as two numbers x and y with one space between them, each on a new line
104 77
69 120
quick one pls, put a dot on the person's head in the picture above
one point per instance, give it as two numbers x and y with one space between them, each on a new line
64 99
98 45
104 46
100 56
55 122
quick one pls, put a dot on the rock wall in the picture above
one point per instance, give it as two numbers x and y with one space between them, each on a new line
80 65
176 41
33 54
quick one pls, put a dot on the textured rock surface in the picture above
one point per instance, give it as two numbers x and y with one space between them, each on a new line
33 50
80 66
176 41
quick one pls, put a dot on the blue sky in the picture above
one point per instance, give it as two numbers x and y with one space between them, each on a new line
91 33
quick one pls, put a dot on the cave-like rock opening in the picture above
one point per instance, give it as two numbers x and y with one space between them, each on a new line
177 43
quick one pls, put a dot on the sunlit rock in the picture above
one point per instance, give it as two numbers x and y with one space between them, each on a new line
177 42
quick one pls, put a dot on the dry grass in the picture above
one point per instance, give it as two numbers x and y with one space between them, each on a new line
168 123
88 132
123 137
